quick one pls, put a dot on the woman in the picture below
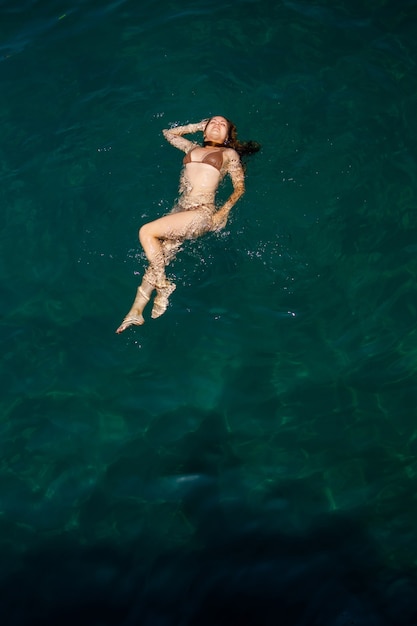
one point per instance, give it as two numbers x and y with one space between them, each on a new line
195 213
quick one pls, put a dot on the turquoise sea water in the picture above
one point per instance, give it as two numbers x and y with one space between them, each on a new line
250 457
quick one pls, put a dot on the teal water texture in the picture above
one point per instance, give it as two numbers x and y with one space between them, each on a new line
249 457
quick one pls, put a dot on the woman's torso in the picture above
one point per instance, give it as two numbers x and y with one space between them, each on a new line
203 170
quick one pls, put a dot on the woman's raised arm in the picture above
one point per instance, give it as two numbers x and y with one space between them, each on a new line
175 135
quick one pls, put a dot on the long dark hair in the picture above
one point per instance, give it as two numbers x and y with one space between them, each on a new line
243 148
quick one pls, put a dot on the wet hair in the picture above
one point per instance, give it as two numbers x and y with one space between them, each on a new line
243 148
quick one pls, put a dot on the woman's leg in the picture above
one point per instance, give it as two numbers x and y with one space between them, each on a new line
160 240
135 317
173 227
165 287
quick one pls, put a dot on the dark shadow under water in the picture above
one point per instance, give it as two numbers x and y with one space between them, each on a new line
236 573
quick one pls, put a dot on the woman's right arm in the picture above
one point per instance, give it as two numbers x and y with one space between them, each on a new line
175 135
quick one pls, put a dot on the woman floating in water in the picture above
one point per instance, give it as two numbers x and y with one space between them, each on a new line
195 213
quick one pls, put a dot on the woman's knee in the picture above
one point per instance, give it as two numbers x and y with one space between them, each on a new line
145 232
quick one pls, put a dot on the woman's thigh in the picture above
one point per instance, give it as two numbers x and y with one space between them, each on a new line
182 225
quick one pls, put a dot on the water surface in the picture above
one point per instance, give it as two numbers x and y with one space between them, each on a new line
249 457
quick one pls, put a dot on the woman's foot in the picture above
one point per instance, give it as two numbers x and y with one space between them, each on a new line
135 317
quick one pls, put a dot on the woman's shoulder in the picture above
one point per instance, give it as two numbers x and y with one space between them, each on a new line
231 157
231 154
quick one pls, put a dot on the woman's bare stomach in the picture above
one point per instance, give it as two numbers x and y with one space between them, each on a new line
195 201
200 184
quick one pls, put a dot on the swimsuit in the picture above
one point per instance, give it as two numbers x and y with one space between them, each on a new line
215 158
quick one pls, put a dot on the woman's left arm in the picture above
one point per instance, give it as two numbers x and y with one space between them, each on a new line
235 170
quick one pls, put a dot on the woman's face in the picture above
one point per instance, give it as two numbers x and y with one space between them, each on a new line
217 129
